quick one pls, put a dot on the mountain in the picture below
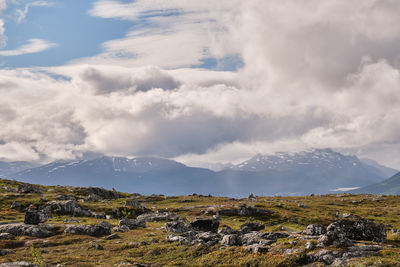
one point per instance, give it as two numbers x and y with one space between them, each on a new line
379 169
314 171
7 168
390 186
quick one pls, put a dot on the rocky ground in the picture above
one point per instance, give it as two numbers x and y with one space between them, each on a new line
71 226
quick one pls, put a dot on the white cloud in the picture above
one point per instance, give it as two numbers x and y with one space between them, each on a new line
311 78
21 13
33 46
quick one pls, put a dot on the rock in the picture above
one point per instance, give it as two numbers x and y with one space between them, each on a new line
67 207
315 229
112 237
17 264
71 220
310 245
96 230
226 230
132 223
176 227
100 216
251 197
95 245
256 248
249 227
28 188
205 225
6 236
21 229
102 193
231 240
339 233
33 216
94 198
158 216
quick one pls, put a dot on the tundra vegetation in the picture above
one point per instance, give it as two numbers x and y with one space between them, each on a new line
74 226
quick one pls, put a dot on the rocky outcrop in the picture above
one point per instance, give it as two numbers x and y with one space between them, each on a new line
101 229
204 225
315 229
21 229
341 233
101 192
28 188
33 216
249 227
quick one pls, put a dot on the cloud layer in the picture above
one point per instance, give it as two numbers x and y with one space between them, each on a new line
316 74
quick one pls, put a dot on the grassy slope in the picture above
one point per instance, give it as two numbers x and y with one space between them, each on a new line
74 250
390 186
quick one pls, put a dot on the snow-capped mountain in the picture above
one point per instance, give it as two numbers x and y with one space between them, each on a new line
313 171
308 160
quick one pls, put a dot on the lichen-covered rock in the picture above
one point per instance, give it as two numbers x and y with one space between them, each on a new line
67 207
33 216
176 227
231 240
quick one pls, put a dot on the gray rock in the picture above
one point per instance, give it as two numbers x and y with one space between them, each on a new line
33 216
226 230
100 229
244 210
315 229
65 197
132 223
134 203
95 245
21 229
17 206
257 248
102 193
28 188
67 207
122 228
176 227
4 252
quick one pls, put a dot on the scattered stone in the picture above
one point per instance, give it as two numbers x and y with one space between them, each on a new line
244 210
231 240
71 220
100 229
122 228
257 248
94 198
102 193
102 216
310 245
176 227
132 223
17 206
65 197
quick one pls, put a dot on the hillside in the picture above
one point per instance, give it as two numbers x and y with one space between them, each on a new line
107 228
390 186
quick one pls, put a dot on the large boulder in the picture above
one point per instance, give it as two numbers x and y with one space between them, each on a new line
101 229
132 223
33 216
204 225
67 207
341 233
21 229
102 193
176 227
231 240
28 188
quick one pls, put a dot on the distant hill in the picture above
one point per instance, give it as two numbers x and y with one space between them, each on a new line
390 186
314 171
381 170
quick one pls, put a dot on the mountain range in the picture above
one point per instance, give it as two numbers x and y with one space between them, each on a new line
317 171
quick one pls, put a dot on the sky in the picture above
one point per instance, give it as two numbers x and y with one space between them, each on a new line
199 81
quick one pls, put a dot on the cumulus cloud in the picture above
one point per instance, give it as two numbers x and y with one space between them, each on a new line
311 78
33 46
